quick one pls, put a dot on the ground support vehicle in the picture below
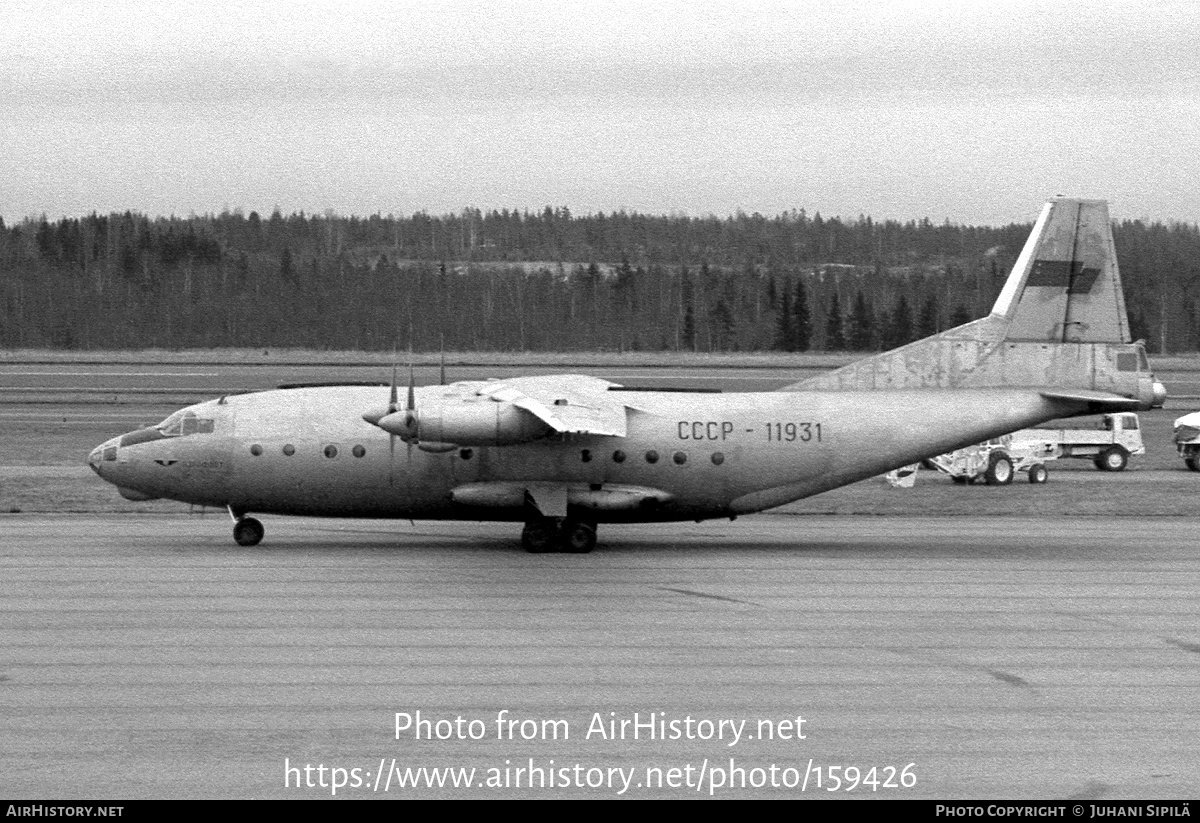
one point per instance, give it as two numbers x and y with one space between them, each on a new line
1187 439
996 462
1108 445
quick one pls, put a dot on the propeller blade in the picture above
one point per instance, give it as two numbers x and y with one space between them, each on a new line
391 459
410 401
442 361
392 393
373 417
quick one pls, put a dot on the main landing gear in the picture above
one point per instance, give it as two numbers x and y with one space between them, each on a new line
246 530
558 534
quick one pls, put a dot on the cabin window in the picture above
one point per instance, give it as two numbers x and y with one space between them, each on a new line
652 456
586 455
1127 362
331 451
358 451
680 458
289 449
256 450
618 456
465 454
718 458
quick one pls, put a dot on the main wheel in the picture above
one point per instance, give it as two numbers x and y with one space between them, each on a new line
1038 473
999 470
248 532
540 536
577 537
1113 459
1193 461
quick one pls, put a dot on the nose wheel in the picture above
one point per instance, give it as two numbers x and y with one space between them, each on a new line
247 532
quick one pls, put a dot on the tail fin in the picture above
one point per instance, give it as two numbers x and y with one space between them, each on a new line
1065 286
1059 324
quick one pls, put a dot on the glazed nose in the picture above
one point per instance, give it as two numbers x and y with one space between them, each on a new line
106 452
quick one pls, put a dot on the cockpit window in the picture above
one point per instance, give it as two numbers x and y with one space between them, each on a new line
183 423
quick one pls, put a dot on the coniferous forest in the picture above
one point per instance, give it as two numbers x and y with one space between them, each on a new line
548 281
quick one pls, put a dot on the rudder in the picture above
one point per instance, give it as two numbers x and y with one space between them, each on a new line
1066 286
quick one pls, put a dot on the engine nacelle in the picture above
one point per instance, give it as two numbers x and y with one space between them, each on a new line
468 422
480 422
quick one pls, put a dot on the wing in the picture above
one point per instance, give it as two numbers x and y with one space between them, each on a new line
568 403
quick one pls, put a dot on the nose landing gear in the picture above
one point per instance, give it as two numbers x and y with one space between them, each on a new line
246 530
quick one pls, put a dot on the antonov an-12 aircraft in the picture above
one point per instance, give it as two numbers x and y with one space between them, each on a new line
562 454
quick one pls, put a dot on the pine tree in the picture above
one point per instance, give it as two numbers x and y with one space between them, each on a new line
862 322
900 329
834 341
928 324
801 320
959 316
784 338
724 327
689 328
688 333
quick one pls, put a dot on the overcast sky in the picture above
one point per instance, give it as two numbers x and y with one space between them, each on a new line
971 111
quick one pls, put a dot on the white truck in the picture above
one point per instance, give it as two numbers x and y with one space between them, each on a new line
1187 439
1108 446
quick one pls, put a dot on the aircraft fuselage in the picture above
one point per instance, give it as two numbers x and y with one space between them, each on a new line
685 456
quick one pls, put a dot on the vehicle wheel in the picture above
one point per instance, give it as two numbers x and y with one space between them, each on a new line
1193 462
999 470
1038 473
1114 459
248 532
577 537
540 536
960 479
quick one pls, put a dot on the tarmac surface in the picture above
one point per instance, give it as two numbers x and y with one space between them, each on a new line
1032 646
1012 657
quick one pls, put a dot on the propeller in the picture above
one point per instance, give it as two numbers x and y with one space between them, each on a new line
386 418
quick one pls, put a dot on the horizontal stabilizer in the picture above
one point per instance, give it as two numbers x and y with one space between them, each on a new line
1094 401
